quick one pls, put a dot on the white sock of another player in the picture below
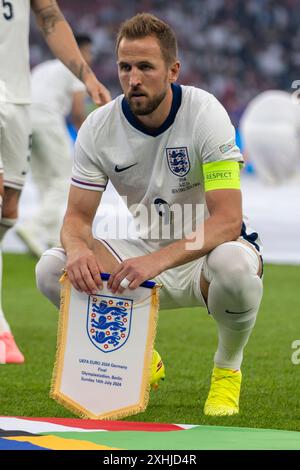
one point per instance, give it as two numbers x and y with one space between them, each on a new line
4 326
5 224
234 297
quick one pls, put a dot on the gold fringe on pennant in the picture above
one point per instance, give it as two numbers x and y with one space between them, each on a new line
60 341
152 328
59 333
60 350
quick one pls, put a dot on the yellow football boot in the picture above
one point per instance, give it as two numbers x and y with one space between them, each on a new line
224 394
157 370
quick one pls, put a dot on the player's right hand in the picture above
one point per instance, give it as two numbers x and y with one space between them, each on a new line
84 271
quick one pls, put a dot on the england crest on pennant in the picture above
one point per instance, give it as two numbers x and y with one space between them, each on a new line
108 321
178 160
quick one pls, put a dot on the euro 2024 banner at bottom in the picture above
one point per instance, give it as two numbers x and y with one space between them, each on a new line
104 350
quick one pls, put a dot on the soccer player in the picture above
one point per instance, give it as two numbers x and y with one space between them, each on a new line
15 127
56 93
270 128
170 149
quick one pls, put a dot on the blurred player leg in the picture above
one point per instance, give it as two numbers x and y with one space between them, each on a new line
9 352
51 167
14 152
4 326
233 270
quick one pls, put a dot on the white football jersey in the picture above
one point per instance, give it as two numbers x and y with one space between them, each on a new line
162 169
14 51
53 86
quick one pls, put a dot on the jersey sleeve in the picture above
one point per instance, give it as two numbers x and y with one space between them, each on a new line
216 135
87 172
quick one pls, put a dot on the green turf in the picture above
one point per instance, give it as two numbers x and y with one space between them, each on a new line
186 339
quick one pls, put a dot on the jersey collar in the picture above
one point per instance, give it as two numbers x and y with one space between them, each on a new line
177 97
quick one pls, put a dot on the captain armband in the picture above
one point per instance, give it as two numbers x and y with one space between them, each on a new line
221 175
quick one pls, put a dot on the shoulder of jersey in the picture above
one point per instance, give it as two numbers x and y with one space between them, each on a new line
197 96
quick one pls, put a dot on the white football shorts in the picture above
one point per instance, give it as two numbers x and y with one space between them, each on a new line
181 285
15 143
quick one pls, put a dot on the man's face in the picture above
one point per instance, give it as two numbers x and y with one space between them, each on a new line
143 74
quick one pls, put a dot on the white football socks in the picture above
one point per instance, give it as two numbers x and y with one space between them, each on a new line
5 224
234 297
4 326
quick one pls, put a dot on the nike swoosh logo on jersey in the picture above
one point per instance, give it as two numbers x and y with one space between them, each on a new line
238 313
118 170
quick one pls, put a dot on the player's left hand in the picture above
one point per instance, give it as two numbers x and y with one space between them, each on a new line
136 270
99 94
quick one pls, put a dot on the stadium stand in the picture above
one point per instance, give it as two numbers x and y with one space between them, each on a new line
232 48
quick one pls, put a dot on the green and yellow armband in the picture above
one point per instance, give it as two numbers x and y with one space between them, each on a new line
221 175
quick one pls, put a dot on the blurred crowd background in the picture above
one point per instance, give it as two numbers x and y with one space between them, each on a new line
231 48
234 49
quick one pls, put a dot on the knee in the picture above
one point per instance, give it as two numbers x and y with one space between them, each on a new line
43 276
232 265
48 272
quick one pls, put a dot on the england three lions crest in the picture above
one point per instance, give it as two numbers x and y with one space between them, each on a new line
108 321
178 160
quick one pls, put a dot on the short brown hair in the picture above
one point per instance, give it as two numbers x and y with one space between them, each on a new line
145 24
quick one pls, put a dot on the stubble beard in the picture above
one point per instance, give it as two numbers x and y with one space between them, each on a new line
140 109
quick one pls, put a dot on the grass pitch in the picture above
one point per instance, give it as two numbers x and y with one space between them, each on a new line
186 339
